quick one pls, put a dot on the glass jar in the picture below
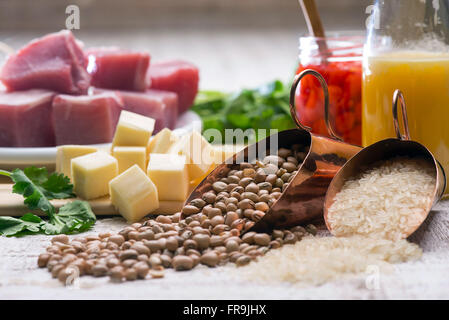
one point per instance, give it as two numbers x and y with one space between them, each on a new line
408 49
342 69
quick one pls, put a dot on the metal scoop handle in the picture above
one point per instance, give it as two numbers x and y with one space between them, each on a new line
398 96
323 83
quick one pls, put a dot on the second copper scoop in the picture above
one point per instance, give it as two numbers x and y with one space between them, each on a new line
302 201
387 149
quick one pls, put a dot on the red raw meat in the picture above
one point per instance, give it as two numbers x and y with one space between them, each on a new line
55 62
160 105
176 76
25 119
114 68
86 119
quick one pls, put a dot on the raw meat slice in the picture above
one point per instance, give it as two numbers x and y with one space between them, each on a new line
176 76
114 68
25 119
86 119
160 105
55 62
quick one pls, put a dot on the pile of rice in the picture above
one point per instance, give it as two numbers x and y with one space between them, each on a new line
387 202
319 260
370 217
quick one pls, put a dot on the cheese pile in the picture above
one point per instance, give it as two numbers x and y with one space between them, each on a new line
142 175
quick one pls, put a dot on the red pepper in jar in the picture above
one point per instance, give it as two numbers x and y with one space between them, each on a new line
344 79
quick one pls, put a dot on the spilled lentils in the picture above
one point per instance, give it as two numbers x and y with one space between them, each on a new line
212 230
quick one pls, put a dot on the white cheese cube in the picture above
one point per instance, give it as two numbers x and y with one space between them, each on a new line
162 141
169 174
65 154
129 156
134 194
91 174
178 146
199 154
133 130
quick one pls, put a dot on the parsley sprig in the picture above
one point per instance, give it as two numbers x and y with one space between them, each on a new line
38 188
266 107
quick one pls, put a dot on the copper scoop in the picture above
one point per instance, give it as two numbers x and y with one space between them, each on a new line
402 146
302 201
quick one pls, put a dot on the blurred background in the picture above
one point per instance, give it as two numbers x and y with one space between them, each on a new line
235 43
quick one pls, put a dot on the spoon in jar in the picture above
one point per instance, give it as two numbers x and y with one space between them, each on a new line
314 24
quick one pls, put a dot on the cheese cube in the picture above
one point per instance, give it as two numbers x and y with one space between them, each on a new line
169 174
133 130
65 154
178 146
133 194
199 154
129 156
162 142
91 174
226 151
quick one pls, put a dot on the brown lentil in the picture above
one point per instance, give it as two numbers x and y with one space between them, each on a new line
189 210
99 270
43 260
131 274
182 263
232 246
248 237
262 239
209 259
116 274
242 261
311 229
62 238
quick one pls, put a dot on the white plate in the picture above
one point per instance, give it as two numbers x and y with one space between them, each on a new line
186 123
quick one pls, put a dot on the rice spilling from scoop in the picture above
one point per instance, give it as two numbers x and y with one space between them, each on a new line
371 217
388 201
319 260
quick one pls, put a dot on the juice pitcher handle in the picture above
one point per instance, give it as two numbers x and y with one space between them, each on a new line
398 96
323 83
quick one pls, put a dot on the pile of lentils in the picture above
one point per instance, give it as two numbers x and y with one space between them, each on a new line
211 230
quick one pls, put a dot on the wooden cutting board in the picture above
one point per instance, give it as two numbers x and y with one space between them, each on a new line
11 204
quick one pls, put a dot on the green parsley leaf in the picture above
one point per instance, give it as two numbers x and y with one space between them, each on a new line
37 187
54 186
29 223
75 217
30 190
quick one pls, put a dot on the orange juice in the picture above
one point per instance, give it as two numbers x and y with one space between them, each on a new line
423 77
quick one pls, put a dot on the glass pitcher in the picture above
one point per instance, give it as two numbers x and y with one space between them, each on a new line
407 48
